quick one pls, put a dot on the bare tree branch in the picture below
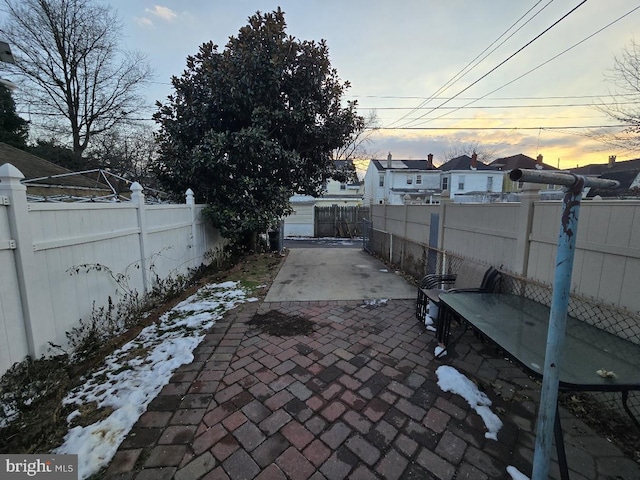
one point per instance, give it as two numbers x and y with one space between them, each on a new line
486 153
356 147
67 54
624 105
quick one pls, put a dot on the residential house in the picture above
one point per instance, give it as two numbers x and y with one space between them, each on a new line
626 172
399 182
469 180
347 194
506 164
301 223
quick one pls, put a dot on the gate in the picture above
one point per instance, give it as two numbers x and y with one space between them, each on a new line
339 222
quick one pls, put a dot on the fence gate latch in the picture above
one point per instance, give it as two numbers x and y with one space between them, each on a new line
12 244
4 200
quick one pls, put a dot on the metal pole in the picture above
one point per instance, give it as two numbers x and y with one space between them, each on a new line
559 178
559 305
556 333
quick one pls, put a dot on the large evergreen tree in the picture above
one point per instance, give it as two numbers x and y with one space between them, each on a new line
14 130
249 126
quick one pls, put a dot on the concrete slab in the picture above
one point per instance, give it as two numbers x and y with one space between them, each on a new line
336 274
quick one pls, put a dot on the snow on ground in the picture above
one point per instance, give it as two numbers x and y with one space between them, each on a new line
429 322
516 474
450 380
134 374
375 302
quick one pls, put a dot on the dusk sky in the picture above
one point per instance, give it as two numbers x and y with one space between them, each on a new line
398 54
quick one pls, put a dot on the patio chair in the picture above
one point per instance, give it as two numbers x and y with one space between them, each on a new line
471 277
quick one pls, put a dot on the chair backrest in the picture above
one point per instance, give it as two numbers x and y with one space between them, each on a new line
492 281
471 275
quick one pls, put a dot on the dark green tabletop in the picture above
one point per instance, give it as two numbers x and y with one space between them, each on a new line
519 326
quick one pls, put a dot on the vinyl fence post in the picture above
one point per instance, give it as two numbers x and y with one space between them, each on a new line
193 245
137 197
445 200
530 193
38 326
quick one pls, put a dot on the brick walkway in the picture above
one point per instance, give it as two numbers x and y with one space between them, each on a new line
357 399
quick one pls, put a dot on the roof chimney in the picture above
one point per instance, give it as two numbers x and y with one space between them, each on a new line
612 161
539 159
389 160
474 161
430 160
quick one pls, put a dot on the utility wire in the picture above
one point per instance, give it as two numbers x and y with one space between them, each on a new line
506 59
548 105
457 76
537 67
558 97
573 127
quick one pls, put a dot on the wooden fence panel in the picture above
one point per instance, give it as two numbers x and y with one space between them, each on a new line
340 222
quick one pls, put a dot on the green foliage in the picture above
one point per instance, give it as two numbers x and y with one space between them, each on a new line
57 153
249 126
14 130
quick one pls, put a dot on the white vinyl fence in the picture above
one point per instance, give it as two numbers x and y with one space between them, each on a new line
44 292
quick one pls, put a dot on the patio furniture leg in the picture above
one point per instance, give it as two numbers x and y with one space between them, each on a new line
562 456
625 397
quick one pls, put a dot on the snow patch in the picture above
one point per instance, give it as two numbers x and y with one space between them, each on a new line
450 380
516 474
134 374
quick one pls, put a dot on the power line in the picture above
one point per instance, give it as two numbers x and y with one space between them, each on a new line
568 127
528 118
557 97
488 107
509 57
457 76
538 66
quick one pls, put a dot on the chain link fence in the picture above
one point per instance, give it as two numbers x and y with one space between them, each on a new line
418 260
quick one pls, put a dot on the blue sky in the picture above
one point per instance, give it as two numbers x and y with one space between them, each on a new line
396 54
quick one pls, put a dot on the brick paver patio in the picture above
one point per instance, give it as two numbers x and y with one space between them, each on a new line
356 399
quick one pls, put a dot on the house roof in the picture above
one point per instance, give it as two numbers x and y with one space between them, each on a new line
463 162
403 165
519 161
342 163
601 168
35 167
625 177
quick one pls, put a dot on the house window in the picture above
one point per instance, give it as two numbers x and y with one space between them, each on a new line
461 182
343 186
418 179
409 179
445 183
489 184
381 181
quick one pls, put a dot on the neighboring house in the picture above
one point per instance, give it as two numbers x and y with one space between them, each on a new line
399 182
626 172
507 164
347 194
46 180
301 223
467 179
